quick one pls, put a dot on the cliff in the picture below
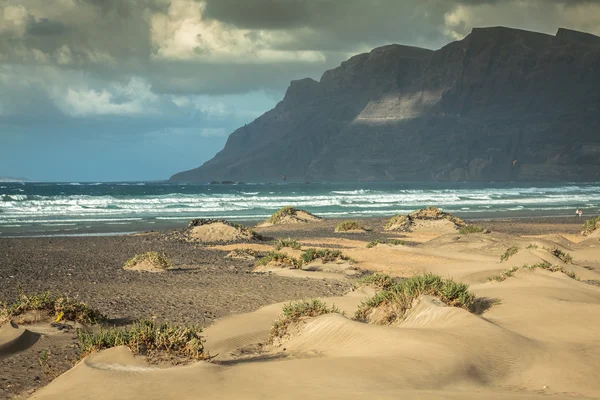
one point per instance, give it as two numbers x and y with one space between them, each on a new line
501 104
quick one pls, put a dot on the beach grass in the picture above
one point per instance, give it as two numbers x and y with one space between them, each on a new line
346 226
147 338
390 305
511 251
159 260
296 311
59 307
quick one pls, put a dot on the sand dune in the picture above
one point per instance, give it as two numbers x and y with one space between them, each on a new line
540 340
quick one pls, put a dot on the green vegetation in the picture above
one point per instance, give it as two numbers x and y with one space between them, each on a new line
565 257
291 243
467 230
511 251
533 246
348 226
282 212
394 242
395 301
326 255
542 265
148 338
379 281
505 274
397 220
57 307
243 253
159 260
296 311
591 225
281 259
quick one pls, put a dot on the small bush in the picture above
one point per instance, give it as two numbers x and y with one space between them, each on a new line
511 251
282 212
348 226
466 230
296 311
379 280
533 246
291 243
148 338
565 257
395 301
394 242
281 259
58 307
160 260
326 255
591 225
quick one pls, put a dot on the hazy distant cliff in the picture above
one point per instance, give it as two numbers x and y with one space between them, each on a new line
464 112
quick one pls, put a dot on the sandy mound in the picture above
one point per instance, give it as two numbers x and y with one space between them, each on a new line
430 218
14 339
215 231
149 262
242 254
290 216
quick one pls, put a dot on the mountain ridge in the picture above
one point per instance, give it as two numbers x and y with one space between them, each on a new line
501 104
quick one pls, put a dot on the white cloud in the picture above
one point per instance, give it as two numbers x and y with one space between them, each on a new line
132 99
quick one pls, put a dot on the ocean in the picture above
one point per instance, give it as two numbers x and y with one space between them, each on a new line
46 209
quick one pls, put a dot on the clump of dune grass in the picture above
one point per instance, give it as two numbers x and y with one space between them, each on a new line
59 307
469 229
542 265
379 281
346 226
505 274
281 259
148 338
390 305
565 257
398 220
159 260
591 225
533 246
282 212
243 253
325 255
291 243
248 233
394 242
511 251
296 311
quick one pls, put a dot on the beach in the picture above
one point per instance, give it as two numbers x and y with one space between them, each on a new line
534 336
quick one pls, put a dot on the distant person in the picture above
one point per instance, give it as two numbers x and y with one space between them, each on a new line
580 213
577 213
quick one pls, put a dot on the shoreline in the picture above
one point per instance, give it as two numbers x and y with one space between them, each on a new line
103 230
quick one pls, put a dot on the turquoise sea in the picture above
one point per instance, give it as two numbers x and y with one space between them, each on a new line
29 209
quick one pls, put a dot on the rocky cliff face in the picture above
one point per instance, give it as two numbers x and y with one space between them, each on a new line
501 104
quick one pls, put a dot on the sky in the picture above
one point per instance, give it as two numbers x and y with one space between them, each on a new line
121 90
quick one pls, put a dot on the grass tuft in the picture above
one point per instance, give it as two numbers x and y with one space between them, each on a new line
394 242
281 259
533 246
469 229
148 338
55 306
565 257
395 301
160 260
291 243
326 255
591 225
296 311
397 220
346 226
282 212
542 265
511 251
379 281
